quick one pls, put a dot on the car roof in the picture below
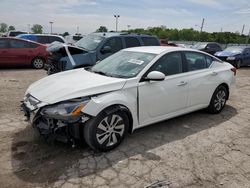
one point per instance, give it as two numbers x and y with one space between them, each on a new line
111 34
33 34
21 39
158 49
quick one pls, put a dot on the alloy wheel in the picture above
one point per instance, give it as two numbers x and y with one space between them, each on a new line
110 130
38 63
220 100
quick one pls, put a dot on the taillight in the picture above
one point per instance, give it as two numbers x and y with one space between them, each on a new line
234 70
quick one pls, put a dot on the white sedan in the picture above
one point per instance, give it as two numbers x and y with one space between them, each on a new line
128 90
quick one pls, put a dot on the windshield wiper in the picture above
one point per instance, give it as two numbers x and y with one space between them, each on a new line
100 72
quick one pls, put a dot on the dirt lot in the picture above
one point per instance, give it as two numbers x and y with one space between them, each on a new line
195 150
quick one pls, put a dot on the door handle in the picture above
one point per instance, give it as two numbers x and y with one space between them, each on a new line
182 83
214 73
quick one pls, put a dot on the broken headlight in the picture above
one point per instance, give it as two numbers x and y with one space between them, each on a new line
70 108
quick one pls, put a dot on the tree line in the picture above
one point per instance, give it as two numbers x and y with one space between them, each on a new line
163 32
36 28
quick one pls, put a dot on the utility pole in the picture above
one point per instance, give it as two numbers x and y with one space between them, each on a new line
128 27
247 39
51 26
202 24
29 28
243 29
77 30
116 21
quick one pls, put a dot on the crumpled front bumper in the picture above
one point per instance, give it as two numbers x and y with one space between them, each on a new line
54 127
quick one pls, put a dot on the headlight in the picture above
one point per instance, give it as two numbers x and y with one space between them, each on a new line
231 58
70 108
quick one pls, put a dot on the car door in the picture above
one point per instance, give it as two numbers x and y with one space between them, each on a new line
202 79
246 57
20 52
114 44
159 100
4 51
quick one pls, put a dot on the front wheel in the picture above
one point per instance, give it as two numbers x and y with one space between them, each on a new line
37 63
218 100
106 131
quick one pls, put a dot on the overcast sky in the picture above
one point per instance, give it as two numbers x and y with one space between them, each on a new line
88 15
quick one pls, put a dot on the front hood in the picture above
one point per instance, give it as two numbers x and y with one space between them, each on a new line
226 54
72 84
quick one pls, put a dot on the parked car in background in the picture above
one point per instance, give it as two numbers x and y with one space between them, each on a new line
19 52
133 88
209 47
71 39
14 33
42 38
92 48
236 55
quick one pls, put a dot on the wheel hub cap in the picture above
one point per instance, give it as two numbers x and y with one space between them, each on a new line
110 130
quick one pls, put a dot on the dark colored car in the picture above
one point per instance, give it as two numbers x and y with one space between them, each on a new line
42 38
92 48
19 52
15 33
236 55
209 47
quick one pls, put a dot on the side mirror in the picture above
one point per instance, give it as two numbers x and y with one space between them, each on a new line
155 76
105 49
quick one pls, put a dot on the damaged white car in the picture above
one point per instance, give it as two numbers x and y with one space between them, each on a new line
128 90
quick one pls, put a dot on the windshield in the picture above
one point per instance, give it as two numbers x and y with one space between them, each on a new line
90 42
199 45
234 49
123 64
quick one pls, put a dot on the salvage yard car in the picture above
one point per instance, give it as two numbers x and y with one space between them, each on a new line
236 55
20 52
92 48
131 89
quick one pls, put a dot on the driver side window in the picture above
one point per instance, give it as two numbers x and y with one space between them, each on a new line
169 64
114 43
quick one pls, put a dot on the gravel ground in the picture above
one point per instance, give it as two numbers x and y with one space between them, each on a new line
195 150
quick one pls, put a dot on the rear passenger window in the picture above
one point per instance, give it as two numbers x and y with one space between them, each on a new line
114 43
3 43
169 64
19 44
55 38
150 41
43 39
131 42
195 61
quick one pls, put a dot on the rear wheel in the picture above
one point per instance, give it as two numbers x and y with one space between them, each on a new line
37 63
106 131
218 100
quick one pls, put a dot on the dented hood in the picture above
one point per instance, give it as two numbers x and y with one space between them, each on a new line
72 84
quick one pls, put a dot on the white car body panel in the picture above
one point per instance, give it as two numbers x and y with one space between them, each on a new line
157 99
148 102
73 84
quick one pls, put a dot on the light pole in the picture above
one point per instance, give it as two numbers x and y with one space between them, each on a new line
29 28
128 27
51 26
202 24
116 21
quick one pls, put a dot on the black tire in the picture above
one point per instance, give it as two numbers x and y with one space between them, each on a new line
238 64
38 63
102 125
218 100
